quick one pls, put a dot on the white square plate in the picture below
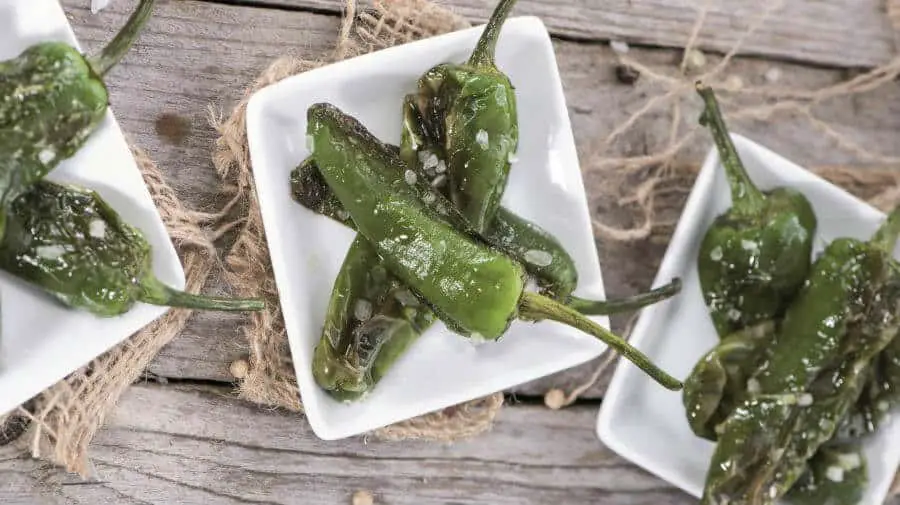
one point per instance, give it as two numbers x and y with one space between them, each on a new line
442 368
42 341
645 423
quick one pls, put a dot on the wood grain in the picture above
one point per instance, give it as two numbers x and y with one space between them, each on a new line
847 33
209 52
199 446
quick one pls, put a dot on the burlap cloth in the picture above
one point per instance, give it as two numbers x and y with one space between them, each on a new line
650 190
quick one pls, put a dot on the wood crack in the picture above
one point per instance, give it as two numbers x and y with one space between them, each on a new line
183 484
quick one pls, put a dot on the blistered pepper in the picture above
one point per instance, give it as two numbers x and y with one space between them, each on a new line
472 108
837 475
348 373
475 290
718 382
754 258
70 243
844 316
371 320
880 395
52 98
520 239
543 257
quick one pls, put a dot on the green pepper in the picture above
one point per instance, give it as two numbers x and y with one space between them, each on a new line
718 382
371 320
879 396
52 99
543 257
837 475
844 316
755 257
70 243
344 372
514 236
475 290
472 107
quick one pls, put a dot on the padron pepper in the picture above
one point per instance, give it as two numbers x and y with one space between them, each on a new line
52 98
880 395
70 243
718 382
754 258
371 320
350 357
515 237
472 109
338 368
844 316
475 290
364 292
543 257
837 475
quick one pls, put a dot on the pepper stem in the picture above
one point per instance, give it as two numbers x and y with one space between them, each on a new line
888 233
113 53
746 197
537 307
628 304
155 292
483 55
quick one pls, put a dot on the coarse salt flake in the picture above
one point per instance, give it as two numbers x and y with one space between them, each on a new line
850 461
538 257
482 138
97 228
50 252
363 309
46 155
834 474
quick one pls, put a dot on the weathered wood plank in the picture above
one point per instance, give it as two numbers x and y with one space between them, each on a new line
598 103
847 33
200 446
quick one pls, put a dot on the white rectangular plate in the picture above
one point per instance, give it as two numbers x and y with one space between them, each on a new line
645 423
42 341
442 368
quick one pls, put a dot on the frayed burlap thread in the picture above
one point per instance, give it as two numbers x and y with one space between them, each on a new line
270 378
65 417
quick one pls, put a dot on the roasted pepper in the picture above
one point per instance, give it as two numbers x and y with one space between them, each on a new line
718 382
472 108
475 290
70 243
754 258
837 475
510 234
371 320
346 373
52 99
879 396
544 258
843 317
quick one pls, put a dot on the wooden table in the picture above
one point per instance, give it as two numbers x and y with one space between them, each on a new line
178 437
